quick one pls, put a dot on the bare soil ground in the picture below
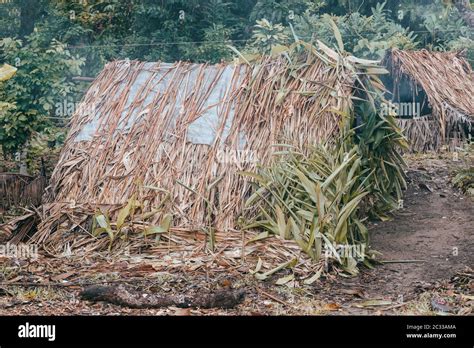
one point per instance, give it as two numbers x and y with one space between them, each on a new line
427 250
434 227
427 247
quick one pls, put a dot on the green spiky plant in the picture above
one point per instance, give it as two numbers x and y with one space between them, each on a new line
102 224
464 180
380 139
320 197
313 199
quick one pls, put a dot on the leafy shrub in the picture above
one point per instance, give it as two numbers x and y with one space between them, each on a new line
364 36
41 81
464 180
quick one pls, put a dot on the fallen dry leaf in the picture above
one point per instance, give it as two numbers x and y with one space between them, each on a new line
371 303
182 311
355 292
332 307
63 276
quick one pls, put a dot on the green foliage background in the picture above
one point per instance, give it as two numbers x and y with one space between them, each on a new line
50 41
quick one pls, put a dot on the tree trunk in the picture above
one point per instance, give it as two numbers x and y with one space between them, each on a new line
29 10
23 164
464 8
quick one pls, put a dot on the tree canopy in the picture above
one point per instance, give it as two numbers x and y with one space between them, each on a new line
52 41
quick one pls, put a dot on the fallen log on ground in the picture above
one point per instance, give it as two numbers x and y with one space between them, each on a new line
126 297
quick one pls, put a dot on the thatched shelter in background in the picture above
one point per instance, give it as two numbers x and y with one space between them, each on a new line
175 136
20 190
434 94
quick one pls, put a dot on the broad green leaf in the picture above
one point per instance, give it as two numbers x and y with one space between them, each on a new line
7 72
260 236
313 278
308 185
278 49
166 221
284 280
154 230
125 212
346 211
290 264
280 221
102 221
337 34
258 267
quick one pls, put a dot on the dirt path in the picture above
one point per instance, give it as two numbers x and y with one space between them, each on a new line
436 227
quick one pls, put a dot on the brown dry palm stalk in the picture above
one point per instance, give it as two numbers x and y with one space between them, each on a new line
421 133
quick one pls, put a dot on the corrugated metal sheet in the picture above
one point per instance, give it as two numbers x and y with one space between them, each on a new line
211 85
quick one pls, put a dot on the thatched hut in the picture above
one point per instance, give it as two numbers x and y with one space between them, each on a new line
433 95
175 136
